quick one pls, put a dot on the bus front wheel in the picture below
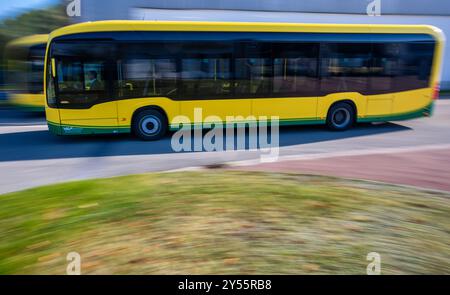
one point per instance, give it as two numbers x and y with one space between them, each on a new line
341 116
150 125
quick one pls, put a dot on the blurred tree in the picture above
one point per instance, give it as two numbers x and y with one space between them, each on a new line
41 21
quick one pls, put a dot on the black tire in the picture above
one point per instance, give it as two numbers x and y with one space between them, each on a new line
341 116
150 125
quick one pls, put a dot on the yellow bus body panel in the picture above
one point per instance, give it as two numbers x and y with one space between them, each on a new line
52 115
286 108
187 26
103 114
377 106
218 107
412 100
106 110
127 107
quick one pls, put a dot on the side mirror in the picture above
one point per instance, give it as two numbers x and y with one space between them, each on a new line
53 68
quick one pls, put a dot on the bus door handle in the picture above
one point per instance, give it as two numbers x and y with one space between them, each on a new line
129 86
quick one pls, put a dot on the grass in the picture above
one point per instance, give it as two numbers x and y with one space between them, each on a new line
224 222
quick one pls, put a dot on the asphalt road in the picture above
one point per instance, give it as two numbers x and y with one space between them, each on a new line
31 156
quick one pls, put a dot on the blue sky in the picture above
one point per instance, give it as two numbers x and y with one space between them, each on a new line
10 8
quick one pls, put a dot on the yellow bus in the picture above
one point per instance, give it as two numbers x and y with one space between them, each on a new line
137 76
25 63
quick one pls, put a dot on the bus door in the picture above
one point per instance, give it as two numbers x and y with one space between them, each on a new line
285 84
206 84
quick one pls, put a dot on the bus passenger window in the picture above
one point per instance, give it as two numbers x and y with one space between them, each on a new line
205 77
253 76
295 68
295 76
345 67
141 77
401 66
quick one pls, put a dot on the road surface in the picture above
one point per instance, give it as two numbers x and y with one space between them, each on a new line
31 156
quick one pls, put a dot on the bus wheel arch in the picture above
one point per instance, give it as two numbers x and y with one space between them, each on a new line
342 115
149 123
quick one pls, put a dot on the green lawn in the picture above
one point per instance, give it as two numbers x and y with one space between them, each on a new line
224 222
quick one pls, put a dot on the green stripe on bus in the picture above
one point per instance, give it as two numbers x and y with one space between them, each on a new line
282 122
425 111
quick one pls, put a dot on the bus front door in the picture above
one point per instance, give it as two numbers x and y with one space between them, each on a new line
85 98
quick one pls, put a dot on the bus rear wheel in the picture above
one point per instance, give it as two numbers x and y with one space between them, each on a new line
341 116
150 125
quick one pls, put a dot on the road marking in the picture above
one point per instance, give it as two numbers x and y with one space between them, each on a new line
18 125
377 151
186 169
22 128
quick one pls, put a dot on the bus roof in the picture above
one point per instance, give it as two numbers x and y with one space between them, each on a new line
136 25
29 40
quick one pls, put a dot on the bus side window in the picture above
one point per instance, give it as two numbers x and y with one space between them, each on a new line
205 77
345 67
145 77
253 76
401 66
295 68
